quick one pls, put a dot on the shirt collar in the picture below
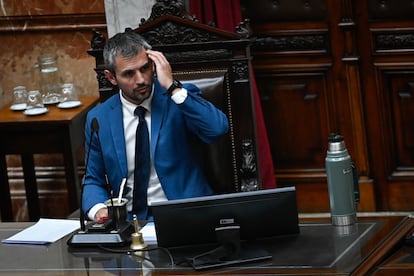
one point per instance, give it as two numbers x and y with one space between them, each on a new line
130 107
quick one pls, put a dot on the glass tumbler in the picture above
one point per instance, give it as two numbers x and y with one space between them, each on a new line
34 100
19 98
69 93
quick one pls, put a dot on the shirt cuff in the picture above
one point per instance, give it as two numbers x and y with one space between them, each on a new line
179 96
94 210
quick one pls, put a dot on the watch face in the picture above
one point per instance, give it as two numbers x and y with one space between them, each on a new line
174 85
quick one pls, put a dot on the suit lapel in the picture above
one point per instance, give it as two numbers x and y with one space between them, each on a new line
116 123
158 108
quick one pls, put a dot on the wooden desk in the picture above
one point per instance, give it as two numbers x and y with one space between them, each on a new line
400 262
58 131
320 249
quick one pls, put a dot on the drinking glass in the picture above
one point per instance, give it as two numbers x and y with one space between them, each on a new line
69 93
69 96
19 98
34 100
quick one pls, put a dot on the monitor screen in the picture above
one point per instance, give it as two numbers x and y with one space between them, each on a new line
258 214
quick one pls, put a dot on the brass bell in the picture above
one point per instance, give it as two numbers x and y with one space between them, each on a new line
137 241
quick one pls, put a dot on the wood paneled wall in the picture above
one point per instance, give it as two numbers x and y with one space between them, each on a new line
338 66
27 29
320 66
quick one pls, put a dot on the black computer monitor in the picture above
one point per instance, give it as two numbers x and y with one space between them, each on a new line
213 219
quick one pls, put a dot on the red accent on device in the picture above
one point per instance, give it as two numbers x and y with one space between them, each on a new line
103 219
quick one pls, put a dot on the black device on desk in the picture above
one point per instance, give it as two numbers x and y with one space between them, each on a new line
115 237
112 231
226 222
108 232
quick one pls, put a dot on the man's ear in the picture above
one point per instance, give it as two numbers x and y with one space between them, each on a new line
110 77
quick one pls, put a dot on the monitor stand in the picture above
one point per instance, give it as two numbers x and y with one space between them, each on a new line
213 258
230 251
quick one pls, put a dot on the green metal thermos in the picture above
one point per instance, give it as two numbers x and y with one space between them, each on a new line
342 182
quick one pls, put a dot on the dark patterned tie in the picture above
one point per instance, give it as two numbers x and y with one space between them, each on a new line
142 166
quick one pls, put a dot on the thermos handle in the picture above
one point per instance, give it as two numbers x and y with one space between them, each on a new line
356 182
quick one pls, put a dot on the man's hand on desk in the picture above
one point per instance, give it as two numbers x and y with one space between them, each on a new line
101 214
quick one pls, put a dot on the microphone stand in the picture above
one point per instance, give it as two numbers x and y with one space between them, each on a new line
99 236
110 191
82 214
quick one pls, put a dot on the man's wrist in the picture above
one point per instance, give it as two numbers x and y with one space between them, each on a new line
176 84
92 212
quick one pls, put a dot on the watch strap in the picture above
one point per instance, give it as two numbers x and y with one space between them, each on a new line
173 86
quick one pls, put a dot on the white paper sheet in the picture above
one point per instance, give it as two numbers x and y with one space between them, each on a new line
148 233
44 231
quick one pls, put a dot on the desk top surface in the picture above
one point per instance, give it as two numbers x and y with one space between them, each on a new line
54 114
319 248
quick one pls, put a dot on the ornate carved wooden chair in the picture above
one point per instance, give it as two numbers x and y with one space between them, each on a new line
219 63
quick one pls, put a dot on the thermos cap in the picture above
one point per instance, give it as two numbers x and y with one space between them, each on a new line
336 143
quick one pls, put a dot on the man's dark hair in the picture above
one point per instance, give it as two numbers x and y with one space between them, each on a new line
127 44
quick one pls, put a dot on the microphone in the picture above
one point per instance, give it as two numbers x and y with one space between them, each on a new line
94 128
95 125
99 234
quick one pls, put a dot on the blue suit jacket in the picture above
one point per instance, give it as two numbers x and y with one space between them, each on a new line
177 132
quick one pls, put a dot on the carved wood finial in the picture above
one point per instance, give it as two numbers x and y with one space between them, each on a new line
243 29
98 40
168 7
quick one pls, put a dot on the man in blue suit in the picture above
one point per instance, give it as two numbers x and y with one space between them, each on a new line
179 121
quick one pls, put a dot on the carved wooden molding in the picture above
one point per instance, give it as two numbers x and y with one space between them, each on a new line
394 41
62 22
248 169
171 33
176 8
197 55
317 42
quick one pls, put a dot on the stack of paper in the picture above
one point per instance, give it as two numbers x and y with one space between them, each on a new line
44 231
